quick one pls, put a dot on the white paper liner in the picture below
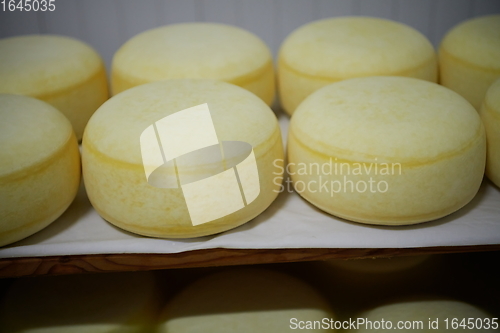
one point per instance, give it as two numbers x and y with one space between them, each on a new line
290 222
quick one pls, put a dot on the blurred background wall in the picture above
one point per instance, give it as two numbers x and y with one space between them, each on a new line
107 24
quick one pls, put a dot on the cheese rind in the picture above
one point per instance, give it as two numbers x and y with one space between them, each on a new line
244 300
195 50
40 169
113 164
490 113
469 57
390 150
331 50
64 72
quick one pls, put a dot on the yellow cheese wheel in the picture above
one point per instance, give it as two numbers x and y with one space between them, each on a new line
490 113
161 160
195 51
386 150
469 58
93 303
331 50
356 284
420 315
39 169
61 71
245 300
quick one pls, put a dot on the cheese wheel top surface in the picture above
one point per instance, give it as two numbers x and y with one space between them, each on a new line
237 115
38 65
94 303
352 46
243 300
477 41
386 119
492 98
247 288
191 50
30 132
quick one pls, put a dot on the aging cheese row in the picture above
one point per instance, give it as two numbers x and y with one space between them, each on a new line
188 146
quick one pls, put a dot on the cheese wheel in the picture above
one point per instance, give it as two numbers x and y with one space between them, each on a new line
331 50
40 168
195 51
420 315
386 150
93 303
182 158
61 71
244 300
469 58
490 113
357 284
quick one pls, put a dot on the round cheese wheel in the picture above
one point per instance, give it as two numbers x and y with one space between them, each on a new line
490 113
421 315
61 71
364 283
40 169
182 158
93 303
386 150
195 51
331 50
469 58
244 300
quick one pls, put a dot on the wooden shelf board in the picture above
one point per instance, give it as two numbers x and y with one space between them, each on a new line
57 265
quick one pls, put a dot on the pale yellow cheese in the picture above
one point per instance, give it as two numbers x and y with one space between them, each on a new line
244 300
61 71
114 169
39 169
490 113
469 57
90 303
356 284
421 315
195 51
391 150
330 50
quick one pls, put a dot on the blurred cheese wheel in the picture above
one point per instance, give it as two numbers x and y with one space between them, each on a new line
418 314
244 300
182 158
93 303
386 150
469 58
39 169
61 71
326 51
195 51
357 284
490 113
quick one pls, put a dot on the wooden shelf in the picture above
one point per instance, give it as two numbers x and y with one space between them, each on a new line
56 265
